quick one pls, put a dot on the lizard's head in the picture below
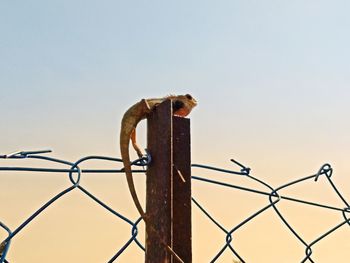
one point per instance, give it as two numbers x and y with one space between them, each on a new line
183 104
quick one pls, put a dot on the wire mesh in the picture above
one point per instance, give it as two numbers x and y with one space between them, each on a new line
272 194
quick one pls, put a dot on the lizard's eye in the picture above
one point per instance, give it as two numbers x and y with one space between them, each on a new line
188 96
177 105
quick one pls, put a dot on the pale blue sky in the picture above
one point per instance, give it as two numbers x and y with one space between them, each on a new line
272 78
75 66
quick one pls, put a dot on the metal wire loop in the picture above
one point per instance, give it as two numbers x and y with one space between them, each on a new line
325 169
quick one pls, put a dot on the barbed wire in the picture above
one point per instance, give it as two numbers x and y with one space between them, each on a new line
75 172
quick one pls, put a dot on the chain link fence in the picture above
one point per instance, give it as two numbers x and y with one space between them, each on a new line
272 195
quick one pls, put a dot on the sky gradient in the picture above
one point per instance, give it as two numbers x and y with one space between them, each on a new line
271 78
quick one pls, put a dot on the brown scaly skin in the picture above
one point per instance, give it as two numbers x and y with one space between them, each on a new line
2 248
182 106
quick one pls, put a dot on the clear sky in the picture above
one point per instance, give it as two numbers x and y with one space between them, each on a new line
271 78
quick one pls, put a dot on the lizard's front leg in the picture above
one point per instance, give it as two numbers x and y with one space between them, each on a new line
134 144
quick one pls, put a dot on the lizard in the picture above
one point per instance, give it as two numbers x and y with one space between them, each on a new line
182 106
2 247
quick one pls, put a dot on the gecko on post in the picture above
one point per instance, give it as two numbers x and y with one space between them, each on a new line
182 106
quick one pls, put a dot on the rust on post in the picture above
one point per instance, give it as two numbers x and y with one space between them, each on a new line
168 187
182 238
158 184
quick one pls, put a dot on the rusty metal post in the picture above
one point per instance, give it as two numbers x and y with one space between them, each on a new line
168 183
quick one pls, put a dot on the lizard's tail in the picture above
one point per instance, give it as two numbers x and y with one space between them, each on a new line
124 150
